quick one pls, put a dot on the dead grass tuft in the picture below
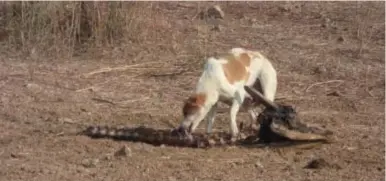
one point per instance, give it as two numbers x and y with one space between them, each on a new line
65 28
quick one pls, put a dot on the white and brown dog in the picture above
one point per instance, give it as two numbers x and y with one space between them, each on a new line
223 79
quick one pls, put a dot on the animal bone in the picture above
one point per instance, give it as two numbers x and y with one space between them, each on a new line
279 122
259 97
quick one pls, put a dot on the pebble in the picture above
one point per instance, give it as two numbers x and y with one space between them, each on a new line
124 151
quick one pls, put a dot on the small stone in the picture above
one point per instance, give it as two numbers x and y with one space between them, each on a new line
17 155
124 151
242 136
335 93
259 165
107 157
222 141
82 170
316 164
45 171
211 142
217 28
215 12
33 87
90 163
201 144
340 39
144 147
321 163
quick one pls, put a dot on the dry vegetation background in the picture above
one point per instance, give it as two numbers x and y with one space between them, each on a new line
69 64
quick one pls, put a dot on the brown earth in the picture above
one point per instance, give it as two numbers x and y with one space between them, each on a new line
334 46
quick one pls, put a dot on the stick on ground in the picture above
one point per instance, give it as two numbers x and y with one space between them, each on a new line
122 68
326 82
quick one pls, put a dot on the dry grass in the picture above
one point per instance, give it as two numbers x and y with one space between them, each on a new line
54 29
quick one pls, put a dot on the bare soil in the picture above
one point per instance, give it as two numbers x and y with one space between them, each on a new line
338 47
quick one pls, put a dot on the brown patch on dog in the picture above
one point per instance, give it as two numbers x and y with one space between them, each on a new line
235 69
193 103
245 59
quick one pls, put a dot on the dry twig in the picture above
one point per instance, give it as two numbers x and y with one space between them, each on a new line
102 100
366 78
104 82
109 69
326 82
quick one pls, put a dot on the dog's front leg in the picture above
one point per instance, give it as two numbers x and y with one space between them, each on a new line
211 118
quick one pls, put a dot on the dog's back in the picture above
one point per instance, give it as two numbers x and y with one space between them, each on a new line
230 72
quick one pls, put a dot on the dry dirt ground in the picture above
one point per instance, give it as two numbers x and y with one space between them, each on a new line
337 46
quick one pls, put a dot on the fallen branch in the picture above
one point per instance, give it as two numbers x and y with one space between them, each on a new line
104 82
180 72
109 69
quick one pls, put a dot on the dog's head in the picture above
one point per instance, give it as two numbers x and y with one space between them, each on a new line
192 109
